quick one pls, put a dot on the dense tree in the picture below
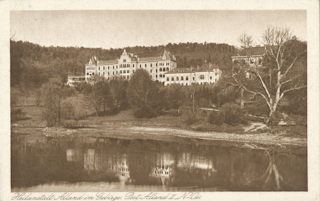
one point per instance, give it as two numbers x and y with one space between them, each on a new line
284 68
63 61
97 94
176 96
54 91
143 95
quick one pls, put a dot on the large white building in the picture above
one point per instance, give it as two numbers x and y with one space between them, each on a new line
206 74
163 69
128 63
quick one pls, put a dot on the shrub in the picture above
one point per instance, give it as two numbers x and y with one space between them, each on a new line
72 109
258 110
233 114
145 112
216 118
110 112
275 118
191 118
297 120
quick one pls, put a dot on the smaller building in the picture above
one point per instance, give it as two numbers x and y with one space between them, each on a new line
252 56
206 74
72 80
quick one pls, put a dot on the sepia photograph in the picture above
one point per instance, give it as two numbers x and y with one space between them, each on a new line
169 103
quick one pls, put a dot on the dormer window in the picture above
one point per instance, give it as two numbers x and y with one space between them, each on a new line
124 60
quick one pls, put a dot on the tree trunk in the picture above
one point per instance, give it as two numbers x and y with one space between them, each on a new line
241 98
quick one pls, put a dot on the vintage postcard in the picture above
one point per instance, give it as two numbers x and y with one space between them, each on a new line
160 101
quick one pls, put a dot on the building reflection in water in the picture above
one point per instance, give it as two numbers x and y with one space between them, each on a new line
99 161
151 163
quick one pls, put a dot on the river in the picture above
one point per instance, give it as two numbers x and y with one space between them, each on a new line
109 164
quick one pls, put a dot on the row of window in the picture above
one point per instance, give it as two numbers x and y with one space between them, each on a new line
177 78
121 72
162 64
128 65
187 78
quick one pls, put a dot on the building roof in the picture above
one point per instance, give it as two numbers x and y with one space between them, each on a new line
166 56
150 59
257 50
204 68
108 62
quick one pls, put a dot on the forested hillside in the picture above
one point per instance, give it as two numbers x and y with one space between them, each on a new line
35 64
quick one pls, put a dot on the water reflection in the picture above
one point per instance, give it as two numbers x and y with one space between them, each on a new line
167 165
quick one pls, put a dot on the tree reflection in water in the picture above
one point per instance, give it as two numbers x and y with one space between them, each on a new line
155 163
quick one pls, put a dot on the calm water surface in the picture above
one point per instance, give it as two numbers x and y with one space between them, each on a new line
107 164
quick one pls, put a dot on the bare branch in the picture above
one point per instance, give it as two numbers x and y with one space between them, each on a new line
291 89
282 83
293 62
245 40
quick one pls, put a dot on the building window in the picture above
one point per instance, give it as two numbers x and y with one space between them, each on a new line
202 77
193 78
187 78
150 70
177 78
120 65
172 79
108 67
132 65
113 67
87 73
132 71
103 68
145 65
140 65
160 69
103 73
156 64
186 84
167 69
216 80
156 76
124 60
120 71
210 77
216 74
116 72
182 78
128 71
167 79
150 65
92 73
123 77
128 77
128 65
108 73
156 70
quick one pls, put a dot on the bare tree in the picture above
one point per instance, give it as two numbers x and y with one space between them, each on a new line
284 54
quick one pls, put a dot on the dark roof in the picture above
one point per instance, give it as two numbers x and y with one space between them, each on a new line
108 62
258 50
150 59
204 68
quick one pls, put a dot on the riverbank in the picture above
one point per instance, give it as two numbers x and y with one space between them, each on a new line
165 127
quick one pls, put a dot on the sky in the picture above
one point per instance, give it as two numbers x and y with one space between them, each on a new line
125 28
